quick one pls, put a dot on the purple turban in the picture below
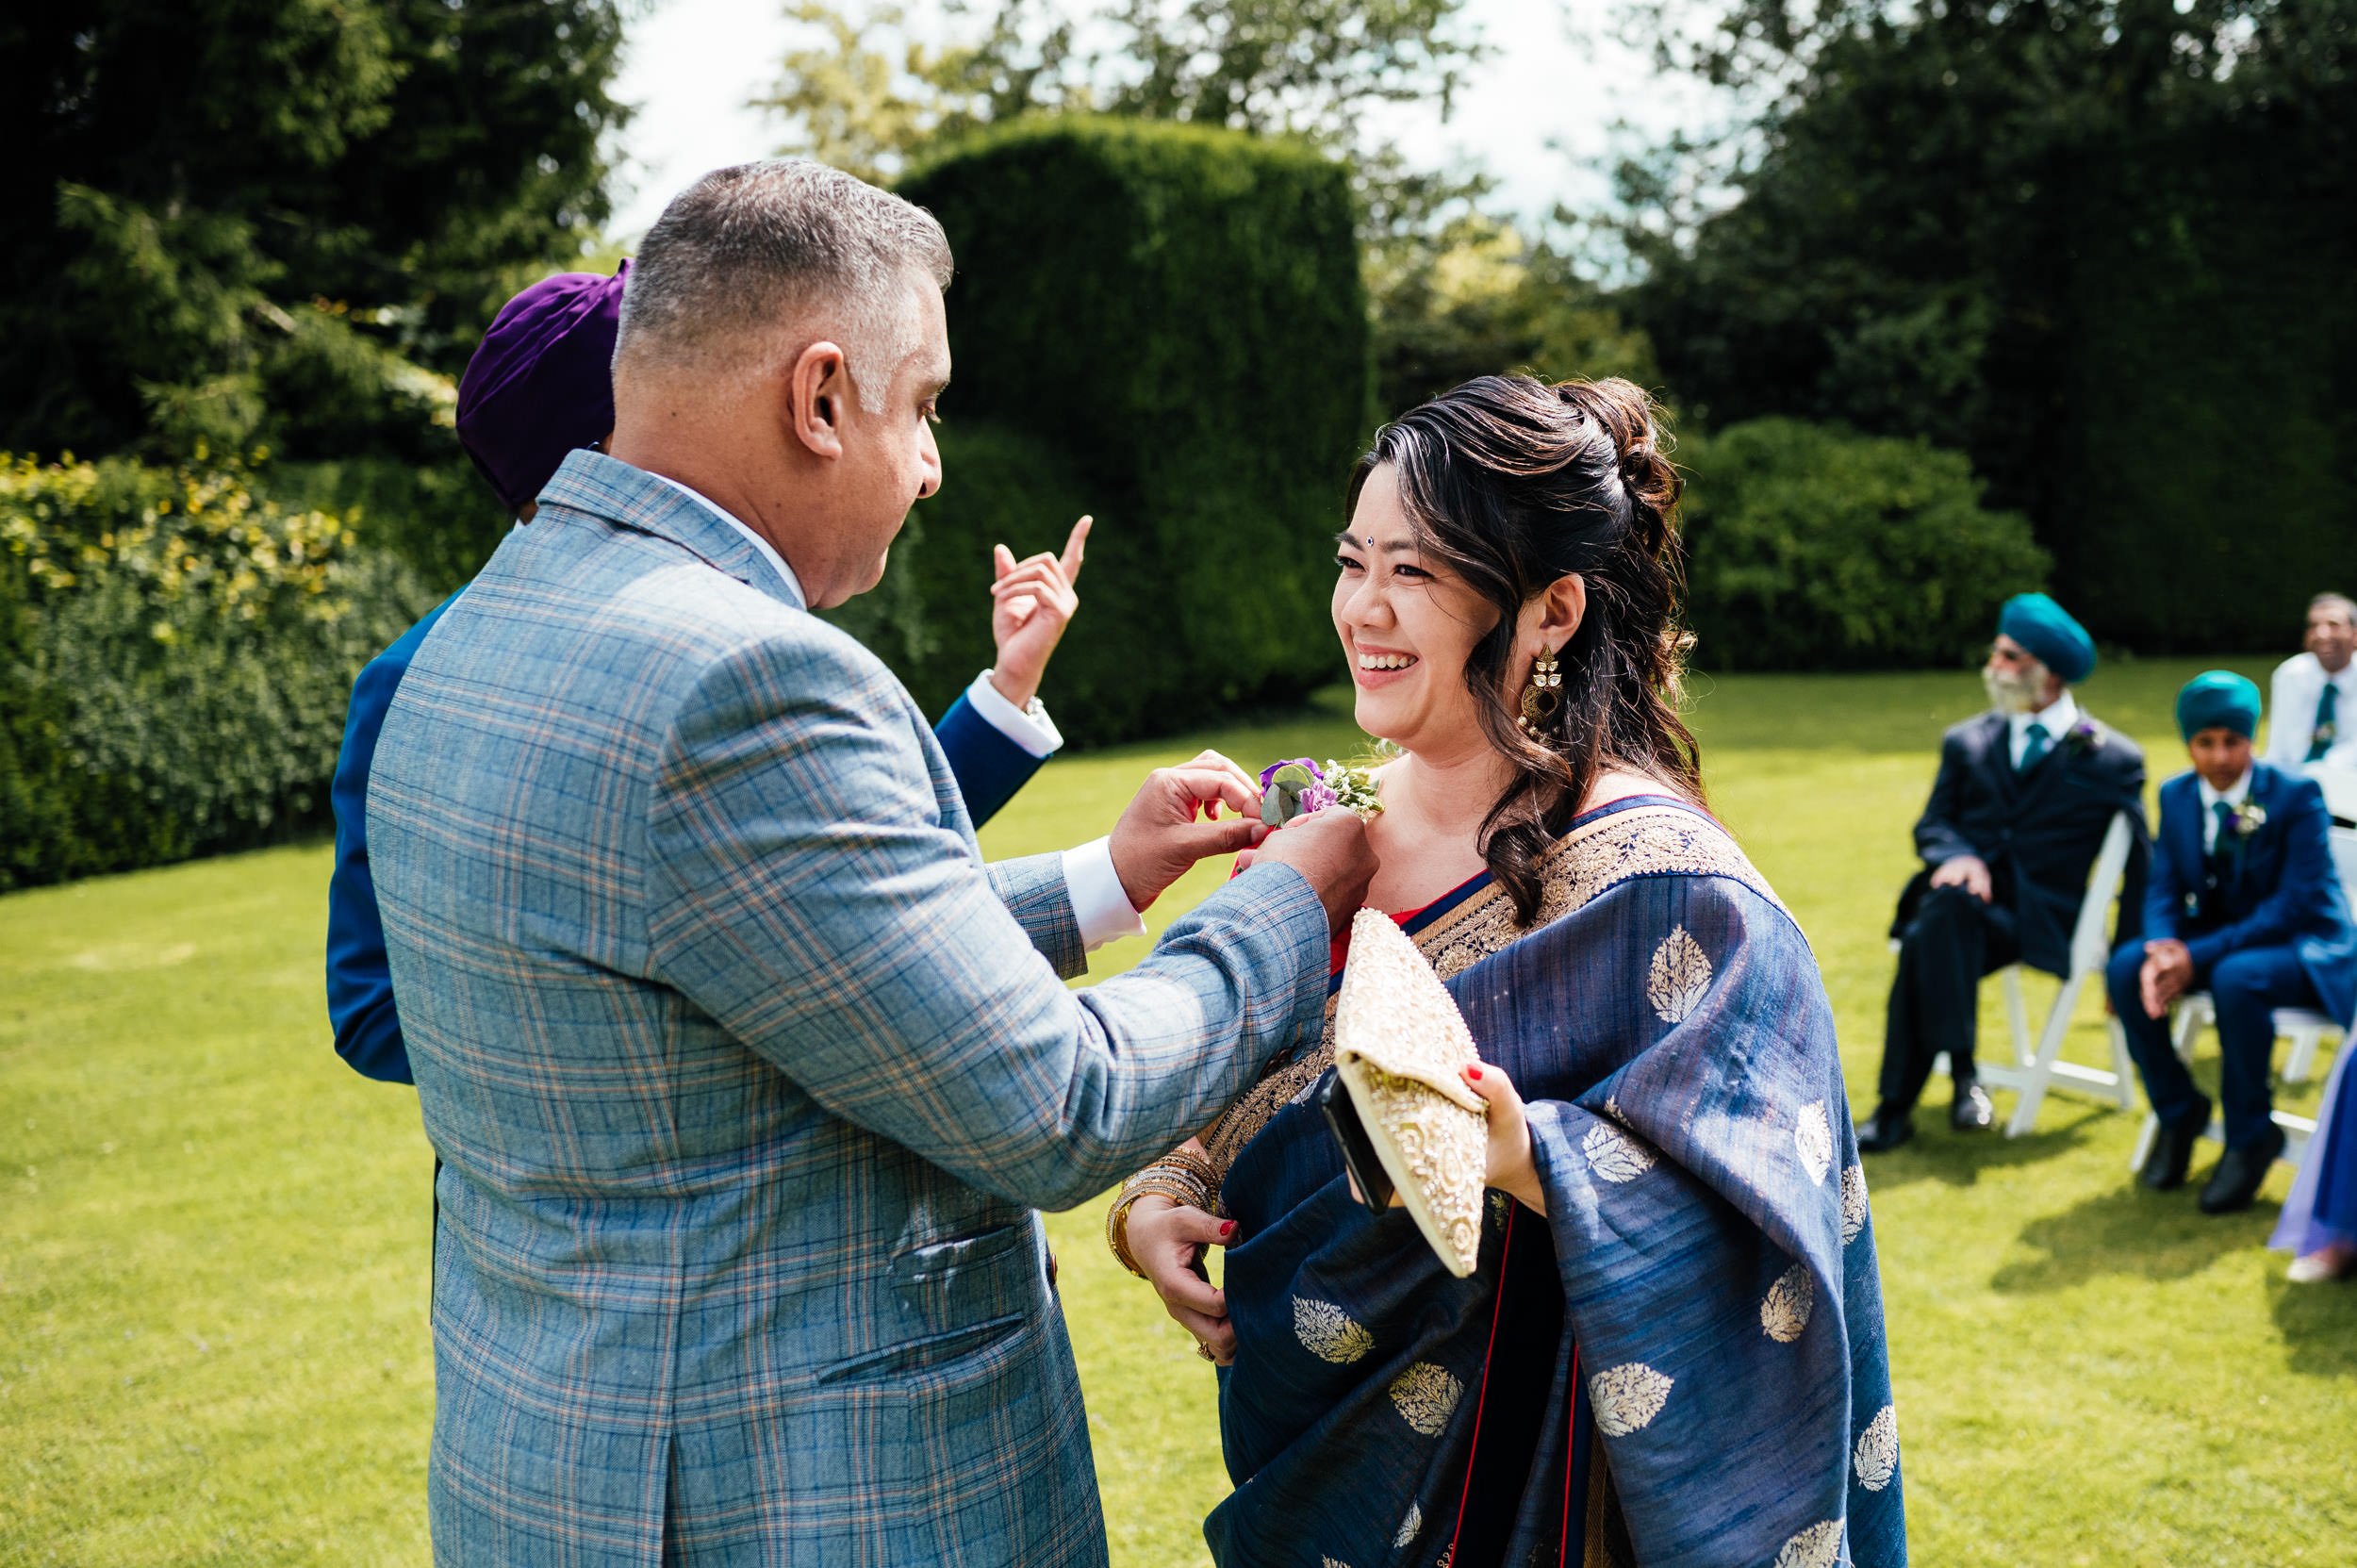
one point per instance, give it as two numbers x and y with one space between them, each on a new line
542 382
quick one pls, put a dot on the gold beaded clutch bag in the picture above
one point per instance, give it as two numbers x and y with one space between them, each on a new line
1399 1048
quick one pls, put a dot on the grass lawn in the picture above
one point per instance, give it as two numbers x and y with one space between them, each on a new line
213 1346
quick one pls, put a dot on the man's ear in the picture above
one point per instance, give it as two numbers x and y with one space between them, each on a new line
818 390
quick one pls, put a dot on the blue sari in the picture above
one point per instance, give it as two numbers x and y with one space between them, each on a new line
1682 1364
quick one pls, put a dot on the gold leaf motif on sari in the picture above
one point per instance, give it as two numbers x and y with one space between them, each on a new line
1627 1397
1614 1155
1329 1332
1853 1203
1785 1311
1678 977
1408 1527
1427 1397
1877 1453
1818 1546
1813 1137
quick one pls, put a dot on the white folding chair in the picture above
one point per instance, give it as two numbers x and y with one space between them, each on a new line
2340 790
2306 1030
2035 1070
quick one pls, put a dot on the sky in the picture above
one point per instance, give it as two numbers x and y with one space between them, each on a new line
1538 115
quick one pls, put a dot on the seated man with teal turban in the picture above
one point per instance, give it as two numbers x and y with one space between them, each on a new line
2017 814
2243 903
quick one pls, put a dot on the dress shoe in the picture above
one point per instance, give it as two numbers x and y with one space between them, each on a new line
1884 1130
2172 1152
2236 1181
2333 1260
1972 1112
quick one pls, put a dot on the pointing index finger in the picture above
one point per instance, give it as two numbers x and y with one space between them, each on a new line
1076 548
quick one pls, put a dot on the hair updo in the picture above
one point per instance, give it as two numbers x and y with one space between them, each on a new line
1512 483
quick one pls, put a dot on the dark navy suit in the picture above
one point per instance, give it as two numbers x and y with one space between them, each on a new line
2038 830
989 768
2267 925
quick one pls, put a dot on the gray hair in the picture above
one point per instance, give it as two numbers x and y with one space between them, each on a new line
2340 601
744 250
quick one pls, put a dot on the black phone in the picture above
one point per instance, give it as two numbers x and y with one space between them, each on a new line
1359 1158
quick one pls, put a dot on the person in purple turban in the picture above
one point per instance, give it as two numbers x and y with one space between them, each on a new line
540 387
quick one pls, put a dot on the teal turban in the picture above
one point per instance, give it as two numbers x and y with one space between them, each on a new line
2218 700
2046 629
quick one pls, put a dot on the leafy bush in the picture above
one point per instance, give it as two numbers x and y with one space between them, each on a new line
1811 547
1177 313
176 656
440 518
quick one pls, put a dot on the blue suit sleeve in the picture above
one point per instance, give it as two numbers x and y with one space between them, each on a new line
359 978
989 767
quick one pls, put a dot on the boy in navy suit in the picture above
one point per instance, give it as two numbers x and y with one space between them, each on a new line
2243 902
2024 796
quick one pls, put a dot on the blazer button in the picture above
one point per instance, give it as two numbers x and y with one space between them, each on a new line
1051 1271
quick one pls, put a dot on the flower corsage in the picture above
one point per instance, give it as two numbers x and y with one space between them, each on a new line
2247 819
1298 785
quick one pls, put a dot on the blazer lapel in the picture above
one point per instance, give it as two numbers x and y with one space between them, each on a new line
604 487
1997 758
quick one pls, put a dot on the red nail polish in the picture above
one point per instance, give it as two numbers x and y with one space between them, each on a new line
1473 1072
1228 1230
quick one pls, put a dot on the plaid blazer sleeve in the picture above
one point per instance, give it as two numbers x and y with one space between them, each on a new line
1033 888
807 895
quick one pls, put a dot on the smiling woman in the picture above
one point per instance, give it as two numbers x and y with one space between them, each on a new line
1632 1372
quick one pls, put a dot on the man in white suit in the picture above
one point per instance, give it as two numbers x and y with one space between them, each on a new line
2313 707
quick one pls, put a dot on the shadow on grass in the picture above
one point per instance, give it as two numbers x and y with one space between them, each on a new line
2130 1229
2319 1327
1940 1155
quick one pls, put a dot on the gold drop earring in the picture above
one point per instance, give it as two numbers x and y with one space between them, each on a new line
1545 694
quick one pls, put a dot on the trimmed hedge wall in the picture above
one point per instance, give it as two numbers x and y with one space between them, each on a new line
1176 315
176 657
1810 547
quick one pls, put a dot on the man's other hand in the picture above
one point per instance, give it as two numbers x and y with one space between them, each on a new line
1160 839
2166 974
1331 849
1970 872
1031 602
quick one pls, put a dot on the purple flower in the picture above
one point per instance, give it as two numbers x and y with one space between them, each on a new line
1317 798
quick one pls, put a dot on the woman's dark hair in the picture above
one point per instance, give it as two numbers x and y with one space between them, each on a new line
1512 483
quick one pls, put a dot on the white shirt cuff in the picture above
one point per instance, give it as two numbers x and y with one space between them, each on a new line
1102 909
1033 731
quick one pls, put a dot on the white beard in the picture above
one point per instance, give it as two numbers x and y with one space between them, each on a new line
2015 694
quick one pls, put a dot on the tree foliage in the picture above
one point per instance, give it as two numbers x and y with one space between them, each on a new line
235 219
2098 245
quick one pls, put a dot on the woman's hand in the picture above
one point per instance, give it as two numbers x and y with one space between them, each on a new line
1168 1242
1510 1166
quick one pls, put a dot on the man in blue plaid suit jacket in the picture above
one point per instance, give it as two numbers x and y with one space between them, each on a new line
744 1070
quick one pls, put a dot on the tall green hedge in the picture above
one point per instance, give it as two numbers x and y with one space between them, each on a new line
175 655
1164 326
1810 547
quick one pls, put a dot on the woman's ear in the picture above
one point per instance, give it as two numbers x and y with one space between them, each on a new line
817 390
1560 608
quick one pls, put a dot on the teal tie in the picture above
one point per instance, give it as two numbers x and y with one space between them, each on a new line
2320 739
2034 746
2223 846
